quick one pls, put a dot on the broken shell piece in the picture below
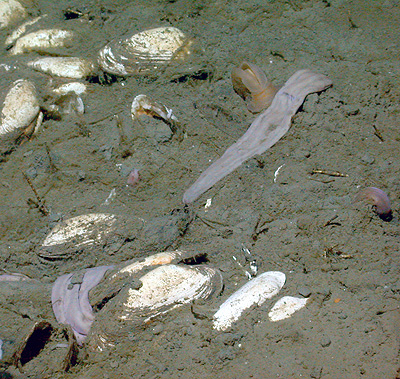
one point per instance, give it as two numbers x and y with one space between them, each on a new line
42 41
255 292
77 87
143 105
144 51
11 11
285 307
75 233
65 67
20 115
251 84
162 290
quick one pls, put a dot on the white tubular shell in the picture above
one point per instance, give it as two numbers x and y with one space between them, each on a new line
65 67
20 109
252 293
42 41
11 11
285 307
142 52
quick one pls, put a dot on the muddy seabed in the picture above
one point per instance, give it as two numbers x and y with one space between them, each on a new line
301 224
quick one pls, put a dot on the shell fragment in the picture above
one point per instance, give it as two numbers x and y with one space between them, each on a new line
255 292
285 307
10 12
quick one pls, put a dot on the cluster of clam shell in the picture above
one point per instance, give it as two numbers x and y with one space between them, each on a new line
48 51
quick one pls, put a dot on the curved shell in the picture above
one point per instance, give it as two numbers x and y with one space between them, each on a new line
11 11
144 51
65 67
285 307
77 232
254 292
42 41
20 111
163 289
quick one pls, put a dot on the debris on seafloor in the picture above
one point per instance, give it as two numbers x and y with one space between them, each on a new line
267 129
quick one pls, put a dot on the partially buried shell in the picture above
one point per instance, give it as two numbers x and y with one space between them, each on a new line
145 51
20 114
11 11
252 293
285 307
162 290
65 67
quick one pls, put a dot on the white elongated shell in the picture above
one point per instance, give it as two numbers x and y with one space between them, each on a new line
76 87
143 52
20 109
255 292
76 232
42 41
11 11
285 307
21 30
65 67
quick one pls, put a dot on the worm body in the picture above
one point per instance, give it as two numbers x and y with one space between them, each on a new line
378 199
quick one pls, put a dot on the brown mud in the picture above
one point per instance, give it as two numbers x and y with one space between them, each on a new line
302 223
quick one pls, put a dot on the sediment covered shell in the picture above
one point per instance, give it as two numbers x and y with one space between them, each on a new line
19 113
162 289
65 67
42 41
255 292
144 51
11 11
76 233
285 307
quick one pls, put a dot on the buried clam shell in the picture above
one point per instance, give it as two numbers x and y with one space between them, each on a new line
285 307
65 67
144 51
11 11
42 41
20 114
252 293
163 289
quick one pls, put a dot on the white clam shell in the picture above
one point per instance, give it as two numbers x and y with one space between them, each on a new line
285 307
65 67
163 289
76 87
143 52
255 292
77 232
20 109
11 11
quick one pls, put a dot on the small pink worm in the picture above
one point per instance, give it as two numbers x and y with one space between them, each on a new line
378 199
133 177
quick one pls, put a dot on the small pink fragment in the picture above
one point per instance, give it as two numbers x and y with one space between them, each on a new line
133 177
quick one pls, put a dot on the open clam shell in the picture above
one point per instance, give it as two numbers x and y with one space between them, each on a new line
255 292
19 114
144 51
162 289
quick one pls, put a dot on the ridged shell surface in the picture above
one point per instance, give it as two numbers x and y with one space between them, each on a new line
163 289
255 292
20 109
65 67
11 11
285 307
143 52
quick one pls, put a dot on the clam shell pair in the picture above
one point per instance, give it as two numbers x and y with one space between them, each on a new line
20 114
256 292
144 52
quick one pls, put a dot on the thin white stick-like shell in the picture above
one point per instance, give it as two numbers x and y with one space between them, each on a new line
65 67
11 11
42 41
266 130
252 293
142 52
20 109
285 307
